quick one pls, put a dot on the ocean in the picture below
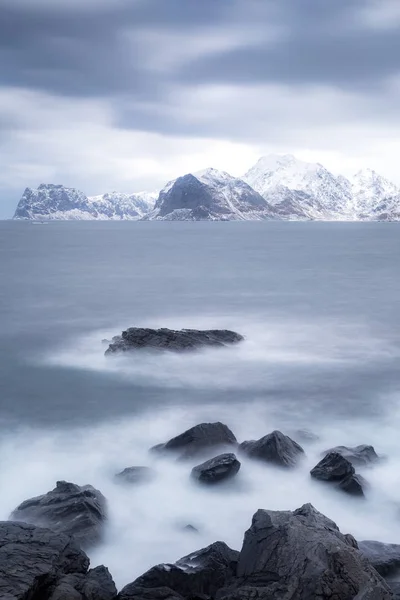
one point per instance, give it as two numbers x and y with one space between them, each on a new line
318 304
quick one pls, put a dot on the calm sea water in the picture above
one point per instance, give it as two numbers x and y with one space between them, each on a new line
319 306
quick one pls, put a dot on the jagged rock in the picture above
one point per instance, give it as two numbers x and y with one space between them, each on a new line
301 555
137 593
333 467
132 475
220 468
395 587
202 572
354 485
384 557
79 511
190 528
183 340
97 584
198 439
275 448
358 456
33 560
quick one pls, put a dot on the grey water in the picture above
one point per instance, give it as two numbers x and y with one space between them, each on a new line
318 304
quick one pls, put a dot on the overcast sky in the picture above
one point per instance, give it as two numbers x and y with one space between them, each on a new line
124 95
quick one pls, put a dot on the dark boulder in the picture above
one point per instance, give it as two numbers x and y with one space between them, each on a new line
333 467
384 557
355 485
136 338
358 456
97 584
301 555
137 593
198 439
33 560
133 475
78 511
202 572
275 448
220 468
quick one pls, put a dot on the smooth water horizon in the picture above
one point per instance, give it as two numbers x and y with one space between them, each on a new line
318 304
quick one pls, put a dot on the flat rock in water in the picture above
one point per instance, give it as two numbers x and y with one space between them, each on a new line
384 557
78 511
354 485
301 555
333 467
198 440
275 448
133 475
358 456
33 560
182 340
200 573
220 468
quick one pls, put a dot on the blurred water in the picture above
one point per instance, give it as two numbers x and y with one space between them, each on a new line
318 304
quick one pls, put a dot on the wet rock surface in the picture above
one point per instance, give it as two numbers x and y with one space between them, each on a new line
78 511
333 467
215 470
358 456
198 440
136 338
275 448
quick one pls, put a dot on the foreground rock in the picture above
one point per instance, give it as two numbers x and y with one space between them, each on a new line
301 555
134 475
384 557
358 456
275 448
36 563
136 338
78 511
198 440
200 573
215 470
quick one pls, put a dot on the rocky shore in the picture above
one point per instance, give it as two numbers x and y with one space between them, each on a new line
286 555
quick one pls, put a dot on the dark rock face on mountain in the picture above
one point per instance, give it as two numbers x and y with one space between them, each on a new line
358 456
33 560
220 468
275 448
301 555
200 574
210 195
384 557
68 509
333 467
198 440
133 475
182 340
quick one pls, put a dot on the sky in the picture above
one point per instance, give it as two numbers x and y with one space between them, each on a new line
126 95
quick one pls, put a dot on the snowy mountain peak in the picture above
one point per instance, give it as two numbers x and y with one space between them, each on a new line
369 189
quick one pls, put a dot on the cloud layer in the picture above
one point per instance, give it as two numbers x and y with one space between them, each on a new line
126 94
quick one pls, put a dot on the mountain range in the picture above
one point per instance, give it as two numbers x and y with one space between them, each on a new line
278 187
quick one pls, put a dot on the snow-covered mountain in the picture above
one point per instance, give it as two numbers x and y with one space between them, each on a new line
210 195
276 187
56 202
327 196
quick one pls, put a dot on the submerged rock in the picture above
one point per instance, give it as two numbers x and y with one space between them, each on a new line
198 439
306 436
133 475
384 557
333 467
358 456
354 485
275 448
200 573
136 338
220 468
33 560
78 511
301 555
